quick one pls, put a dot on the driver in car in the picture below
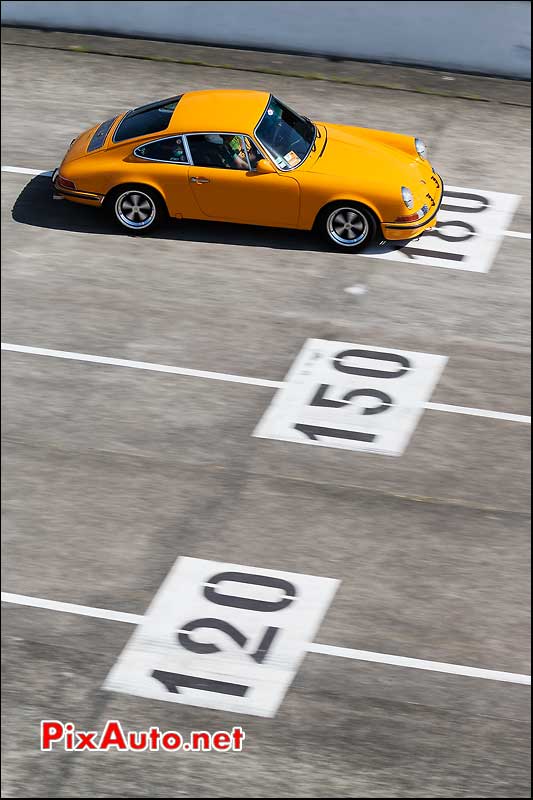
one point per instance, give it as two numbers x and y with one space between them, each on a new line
226 153
238 153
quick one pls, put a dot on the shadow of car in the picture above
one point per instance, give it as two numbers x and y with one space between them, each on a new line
35 206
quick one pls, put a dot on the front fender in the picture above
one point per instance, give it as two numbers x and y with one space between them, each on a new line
319 191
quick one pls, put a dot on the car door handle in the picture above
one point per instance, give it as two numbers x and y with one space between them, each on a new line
199 180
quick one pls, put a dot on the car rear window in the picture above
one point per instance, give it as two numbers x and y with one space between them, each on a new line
99 136
142 121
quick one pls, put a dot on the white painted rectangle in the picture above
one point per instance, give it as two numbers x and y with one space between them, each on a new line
352 396
470 227
254 628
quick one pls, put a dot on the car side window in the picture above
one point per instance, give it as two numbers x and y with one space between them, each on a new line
169 149
219 150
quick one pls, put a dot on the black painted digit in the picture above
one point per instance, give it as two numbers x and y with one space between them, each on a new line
205 648
338 363
479 198
320 399
314 431
454 223
173 681
413 252
386 400
264 645
208 648
221 599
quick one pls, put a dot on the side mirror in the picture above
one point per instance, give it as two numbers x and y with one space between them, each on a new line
264 166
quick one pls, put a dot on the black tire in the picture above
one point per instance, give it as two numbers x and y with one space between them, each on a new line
136 208
347 227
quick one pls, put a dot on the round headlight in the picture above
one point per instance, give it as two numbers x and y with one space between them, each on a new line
407 197
420 148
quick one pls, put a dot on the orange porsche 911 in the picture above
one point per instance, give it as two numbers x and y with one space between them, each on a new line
246 157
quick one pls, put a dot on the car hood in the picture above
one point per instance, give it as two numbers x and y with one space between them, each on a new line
349 151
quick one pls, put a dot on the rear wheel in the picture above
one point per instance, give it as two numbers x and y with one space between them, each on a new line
139 209
347 227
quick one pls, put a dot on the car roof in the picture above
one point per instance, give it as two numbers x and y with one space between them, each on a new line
221 110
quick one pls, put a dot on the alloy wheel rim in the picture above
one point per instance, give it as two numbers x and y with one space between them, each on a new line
135 209
347 226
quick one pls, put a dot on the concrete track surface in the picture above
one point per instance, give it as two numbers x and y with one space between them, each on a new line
112 473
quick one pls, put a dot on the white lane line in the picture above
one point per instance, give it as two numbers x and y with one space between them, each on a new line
71 608
122 362
478 412
26 171
517 234
323 649
417 663
221 376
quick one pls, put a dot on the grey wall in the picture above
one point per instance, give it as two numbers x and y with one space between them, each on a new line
479 36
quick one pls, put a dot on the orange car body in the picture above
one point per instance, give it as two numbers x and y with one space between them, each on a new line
346 163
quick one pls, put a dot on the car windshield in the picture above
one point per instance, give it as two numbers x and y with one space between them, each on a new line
287 136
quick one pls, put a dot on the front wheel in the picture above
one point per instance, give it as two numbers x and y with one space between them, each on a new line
139 209
347 227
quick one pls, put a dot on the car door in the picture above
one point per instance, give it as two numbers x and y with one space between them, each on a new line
226 188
